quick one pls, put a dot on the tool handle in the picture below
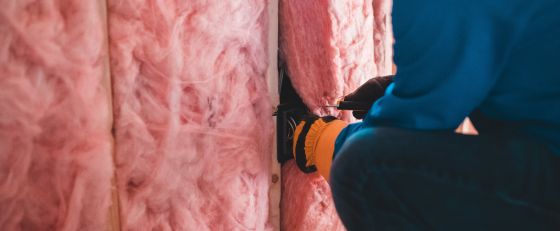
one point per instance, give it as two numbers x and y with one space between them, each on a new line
353 106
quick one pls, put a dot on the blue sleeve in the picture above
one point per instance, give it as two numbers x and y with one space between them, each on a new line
449 54
347 131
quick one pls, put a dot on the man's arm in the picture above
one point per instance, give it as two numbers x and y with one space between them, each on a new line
449 56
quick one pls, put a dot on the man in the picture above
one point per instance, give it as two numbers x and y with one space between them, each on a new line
404 168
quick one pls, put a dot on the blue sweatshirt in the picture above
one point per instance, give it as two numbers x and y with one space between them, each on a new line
492 59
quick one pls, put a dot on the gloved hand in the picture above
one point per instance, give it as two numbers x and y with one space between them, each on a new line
369 92
313 145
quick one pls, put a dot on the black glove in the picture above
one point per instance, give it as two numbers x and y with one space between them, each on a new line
369 92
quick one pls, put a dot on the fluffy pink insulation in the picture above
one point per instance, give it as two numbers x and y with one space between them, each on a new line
383 37
192 116
55 127
307 202
330 48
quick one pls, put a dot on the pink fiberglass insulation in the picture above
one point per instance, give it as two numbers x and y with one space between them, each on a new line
55 139
192 116
307 202
383 37
330 48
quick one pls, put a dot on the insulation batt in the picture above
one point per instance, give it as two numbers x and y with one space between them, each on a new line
307 202
383 37
330 48
55 123
192 115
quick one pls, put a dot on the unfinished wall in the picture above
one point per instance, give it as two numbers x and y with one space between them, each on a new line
193 114
193 119
330 48
55 118
192 105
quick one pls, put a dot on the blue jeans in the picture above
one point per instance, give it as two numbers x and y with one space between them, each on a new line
397 179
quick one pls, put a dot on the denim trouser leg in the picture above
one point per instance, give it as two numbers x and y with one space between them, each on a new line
396 179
